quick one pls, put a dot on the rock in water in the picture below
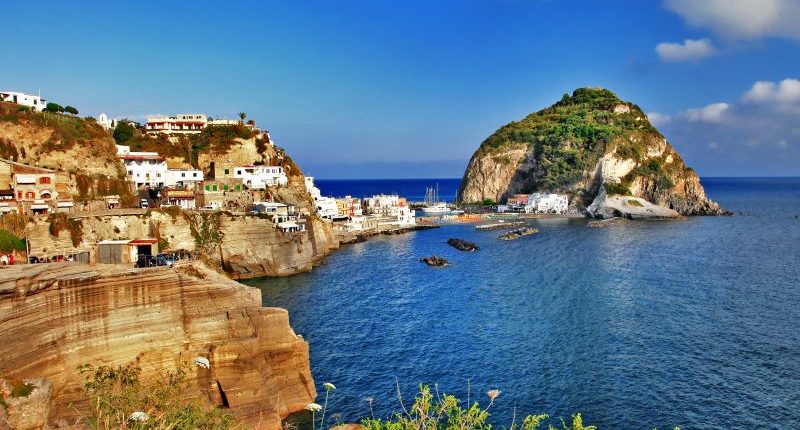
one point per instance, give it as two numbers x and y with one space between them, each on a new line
434 261
606 207
516 234
588 141
462 245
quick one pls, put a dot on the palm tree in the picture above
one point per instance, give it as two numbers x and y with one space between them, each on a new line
242 115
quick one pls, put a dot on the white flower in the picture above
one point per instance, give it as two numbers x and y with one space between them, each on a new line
314 407
202 362
138 416
493 394
328 386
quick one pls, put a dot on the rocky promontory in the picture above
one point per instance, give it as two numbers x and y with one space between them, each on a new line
56 317
587 142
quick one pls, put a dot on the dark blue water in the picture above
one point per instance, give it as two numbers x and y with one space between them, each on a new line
412 189
653 324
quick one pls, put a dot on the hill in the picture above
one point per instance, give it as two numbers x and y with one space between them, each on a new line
588 140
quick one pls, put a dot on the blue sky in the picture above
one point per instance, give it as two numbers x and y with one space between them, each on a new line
377 89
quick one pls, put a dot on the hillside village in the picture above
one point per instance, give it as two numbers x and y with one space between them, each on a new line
187 163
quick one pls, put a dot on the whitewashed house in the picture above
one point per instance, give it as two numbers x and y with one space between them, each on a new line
183 178
260 177
144 169
34 102
547 203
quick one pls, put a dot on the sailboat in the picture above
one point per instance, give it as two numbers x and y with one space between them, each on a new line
432 204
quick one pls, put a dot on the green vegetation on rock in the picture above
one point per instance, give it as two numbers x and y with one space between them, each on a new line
10 243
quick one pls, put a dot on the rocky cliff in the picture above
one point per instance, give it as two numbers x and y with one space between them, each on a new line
82 152
588 140
55 317
244 246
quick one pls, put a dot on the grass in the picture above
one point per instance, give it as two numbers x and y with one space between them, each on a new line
120 399
632 202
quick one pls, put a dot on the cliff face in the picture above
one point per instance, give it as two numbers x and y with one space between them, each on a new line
81 151
242 245
586 141
55 317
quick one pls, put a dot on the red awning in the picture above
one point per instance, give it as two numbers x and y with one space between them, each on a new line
142 242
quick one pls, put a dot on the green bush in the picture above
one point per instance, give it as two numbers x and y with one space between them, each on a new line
633 202
616 189
10 243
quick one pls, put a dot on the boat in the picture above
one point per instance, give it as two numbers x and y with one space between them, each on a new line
432 204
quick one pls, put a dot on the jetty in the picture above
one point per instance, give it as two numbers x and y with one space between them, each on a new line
500 225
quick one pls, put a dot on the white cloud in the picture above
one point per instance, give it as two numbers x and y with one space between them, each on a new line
784 92
742 19
713 113
658 119
756 135
689 50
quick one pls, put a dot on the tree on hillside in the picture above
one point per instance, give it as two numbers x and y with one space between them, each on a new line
53 107
123 132
242 115
71 110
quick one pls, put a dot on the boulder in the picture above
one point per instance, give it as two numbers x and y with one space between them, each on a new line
434 260
462 245
607 206
517 233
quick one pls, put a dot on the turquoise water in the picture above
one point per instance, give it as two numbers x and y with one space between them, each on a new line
693 323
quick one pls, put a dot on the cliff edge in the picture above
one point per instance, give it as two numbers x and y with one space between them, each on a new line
588 140
55 317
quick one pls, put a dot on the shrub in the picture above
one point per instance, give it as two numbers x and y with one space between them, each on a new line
53 107
22 390
71 110
60 222
118 392
616 189
633 202
10 243
445 411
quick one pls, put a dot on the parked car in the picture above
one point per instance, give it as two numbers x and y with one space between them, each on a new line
165 260
144 204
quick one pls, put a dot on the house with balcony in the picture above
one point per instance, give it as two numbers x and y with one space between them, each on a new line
28 189
260 177
187 123
183 178
181 198
144 169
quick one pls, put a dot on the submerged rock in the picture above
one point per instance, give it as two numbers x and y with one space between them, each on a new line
434 260
462 245
516 234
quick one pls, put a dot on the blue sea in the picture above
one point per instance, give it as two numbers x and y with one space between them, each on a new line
649 324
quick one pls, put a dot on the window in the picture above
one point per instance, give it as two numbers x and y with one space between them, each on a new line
44 180
208 187
194 174
183 175
224 188
29 195
227 172
214 188
238 187
19 195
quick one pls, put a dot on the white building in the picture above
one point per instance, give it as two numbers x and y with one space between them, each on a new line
182 178
145 169
260 177
547 203
106 122
326 207
186 123
391 206
34 102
